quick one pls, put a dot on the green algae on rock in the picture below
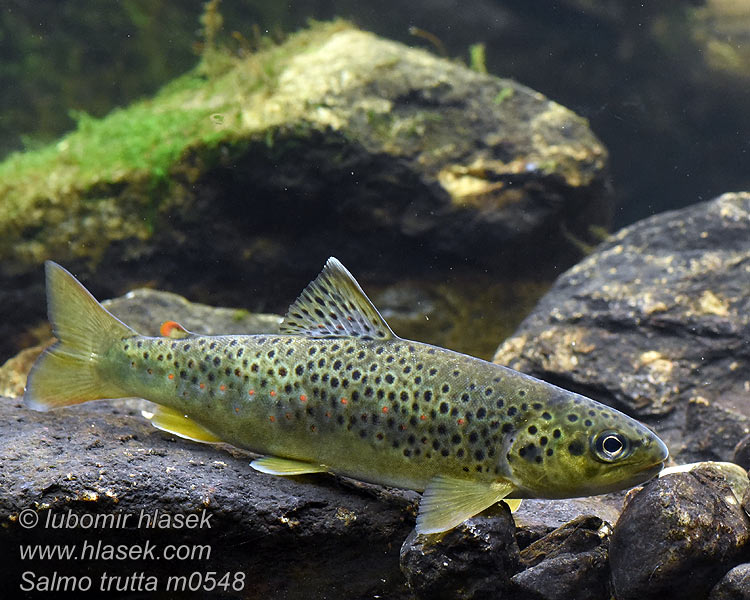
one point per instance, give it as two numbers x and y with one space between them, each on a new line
276 160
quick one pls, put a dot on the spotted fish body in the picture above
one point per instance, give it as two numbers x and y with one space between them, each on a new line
338 391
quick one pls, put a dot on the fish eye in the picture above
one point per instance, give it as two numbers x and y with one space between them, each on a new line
610 446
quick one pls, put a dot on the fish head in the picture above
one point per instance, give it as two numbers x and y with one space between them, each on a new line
580 447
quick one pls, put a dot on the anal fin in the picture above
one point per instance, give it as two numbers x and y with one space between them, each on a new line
176 422
448 502
512 504
273 465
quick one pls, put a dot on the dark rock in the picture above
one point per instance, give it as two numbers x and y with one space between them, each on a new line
677 537
536 518
302 537
656 322
583 576
570 562
742 453
474 560
735 585
580 535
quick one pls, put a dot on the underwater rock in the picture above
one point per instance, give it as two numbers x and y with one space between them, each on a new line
742 453
535 518
240 179
677 537
735 585
474 560
291 537
655 322
570 562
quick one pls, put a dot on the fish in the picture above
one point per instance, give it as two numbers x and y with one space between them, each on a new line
336 391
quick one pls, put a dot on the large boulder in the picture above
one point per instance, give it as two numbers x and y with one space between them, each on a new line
237 181
656 322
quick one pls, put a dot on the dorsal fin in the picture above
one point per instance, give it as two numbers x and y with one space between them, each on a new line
333 305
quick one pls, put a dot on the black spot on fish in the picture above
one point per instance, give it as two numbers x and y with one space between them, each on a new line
479 454
428 395
532 429
512 411
444 407
546 416
481 413
507 428
556 433
572 418
575 448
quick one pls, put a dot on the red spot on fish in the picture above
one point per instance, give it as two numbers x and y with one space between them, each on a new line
321 326
273 392
272 419
423 417
402 427
202 385
313 428
222 387
237 409
303 398
328 415
344 401
460 421
251 392
385 409
289 416
171 376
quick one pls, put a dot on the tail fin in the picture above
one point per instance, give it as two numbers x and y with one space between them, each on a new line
67 373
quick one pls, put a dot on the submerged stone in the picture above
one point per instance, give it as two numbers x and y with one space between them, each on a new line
655 323
474 560
735 585
677 537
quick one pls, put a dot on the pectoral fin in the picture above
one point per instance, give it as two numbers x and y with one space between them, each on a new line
176 422
273 465
448 502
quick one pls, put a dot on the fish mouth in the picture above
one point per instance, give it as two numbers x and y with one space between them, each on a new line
645 474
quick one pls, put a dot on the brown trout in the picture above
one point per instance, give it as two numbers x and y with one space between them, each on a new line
337 391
